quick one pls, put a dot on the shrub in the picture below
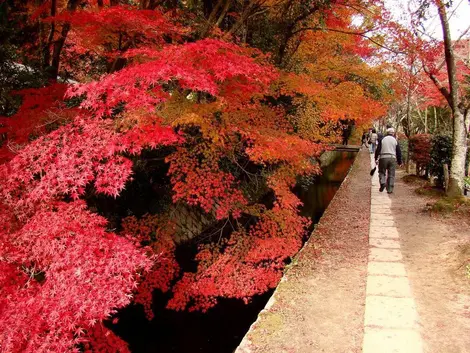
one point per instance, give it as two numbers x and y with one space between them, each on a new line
420 146
466 181
441 153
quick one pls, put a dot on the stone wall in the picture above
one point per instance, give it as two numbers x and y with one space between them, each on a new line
190 222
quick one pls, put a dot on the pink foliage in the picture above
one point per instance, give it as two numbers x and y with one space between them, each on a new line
65 273
63 163
117 25
40 107
200 66
205 185
165 267
100 339
250 263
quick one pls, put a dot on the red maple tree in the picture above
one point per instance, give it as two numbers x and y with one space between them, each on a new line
212 109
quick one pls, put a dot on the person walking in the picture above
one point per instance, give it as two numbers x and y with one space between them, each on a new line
364 140
373 141
380 135
387 156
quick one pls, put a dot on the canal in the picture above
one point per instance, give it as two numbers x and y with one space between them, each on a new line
222 328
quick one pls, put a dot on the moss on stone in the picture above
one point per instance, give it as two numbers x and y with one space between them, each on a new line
270 323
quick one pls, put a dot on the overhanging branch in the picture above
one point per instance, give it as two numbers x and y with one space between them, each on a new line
444 91
361 34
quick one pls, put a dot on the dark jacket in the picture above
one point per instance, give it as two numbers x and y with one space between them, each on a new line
378 150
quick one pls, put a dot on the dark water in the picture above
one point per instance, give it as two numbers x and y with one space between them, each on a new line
221 329
317 197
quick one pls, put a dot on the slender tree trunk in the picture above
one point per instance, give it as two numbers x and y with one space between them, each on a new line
47 45
459 135
59 43
283 46
426 120
57 50
212 17
223 13
467 121
445 168
408 120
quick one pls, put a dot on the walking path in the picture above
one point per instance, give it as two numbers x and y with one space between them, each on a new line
391 323
379 274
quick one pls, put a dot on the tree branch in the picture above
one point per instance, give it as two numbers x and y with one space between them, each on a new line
361 34
444 91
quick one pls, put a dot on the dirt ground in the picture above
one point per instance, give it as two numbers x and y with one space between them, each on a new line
436 250
319 306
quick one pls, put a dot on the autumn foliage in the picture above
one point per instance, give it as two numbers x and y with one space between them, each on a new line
63 269
213 118
41 108
420 148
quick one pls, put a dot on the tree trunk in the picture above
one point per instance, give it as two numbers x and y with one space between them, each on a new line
467 121
223 13
407 129
426 120
59 43
459 153
213 17
47 45
57 50
459 135
445 169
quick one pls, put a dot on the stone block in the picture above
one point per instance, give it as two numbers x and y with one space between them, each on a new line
386 268
383 232
381 222
384 243
388 255
392 341
382 216
381 196
380 210
380 202
388 286
387 312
